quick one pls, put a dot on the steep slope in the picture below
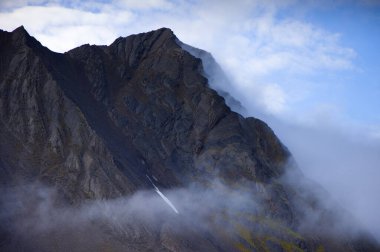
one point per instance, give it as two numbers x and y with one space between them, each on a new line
44 134
101 122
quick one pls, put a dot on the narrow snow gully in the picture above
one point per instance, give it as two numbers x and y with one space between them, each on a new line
163 196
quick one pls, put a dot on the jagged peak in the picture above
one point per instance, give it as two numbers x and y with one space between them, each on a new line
20 34
20 29
22 38
165 33
144 43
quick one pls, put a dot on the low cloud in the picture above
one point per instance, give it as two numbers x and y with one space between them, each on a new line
343 159
35 217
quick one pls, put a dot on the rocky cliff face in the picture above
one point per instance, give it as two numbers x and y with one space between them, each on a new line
104 122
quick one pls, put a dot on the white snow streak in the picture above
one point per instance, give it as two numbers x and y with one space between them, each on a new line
166 199
163 196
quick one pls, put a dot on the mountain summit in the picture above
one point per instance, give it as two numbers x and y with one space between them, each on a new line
99 125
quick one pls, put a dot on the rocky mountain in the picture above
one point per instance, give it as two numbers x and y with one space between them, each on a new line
88 130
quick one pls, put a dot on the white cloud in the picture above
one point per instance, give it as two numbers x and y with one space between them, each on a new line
274 98
61 28
269 43
249 39
144 5
11 4
270 97
343 160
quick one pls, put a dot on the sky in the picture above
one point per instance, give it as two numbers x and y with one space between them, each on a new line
311 69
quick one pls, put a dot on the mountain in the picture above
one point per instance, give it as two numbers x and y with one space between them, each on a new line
98 130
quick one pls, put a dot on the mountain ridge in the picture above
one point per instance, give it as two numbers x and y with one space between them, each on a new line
97 122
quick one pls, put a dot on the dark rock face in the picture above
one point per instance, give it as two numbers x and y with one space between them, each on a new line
96 121
139 106
43 133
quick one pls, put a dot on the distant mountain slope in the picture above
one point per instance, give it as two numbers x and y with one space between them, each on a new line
104 122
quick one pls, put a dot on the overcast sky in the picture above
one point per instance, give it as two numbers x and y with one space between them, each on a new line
309 68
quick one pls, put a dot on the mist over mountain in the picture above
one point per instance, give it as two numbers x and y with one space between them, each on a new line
128 147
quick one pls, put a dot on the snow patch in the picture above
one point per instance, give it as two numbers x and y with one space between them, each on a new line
163 196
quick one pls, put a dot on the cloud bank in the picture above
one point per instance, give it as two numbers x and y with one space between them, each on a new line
34 217
33 212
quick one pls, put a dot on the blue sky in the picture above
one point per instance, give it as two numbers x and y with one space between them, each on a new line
311 69
359 26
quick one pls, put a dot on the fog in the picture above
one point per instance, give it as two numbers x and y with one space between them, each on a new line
343 159
346 166
34 217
